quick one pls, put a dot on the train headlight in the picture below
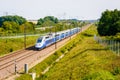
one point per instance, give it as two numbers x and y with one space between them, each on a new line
39 44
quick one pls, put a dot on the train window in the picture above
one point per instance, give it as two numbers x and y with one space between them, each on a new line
56 35
46 37
39 40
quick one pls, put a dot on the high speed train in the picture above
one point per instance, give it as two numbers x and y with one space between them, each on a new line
49 39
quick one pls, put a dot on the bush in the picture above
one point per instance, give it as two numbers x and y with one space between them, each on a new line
116 71
11 49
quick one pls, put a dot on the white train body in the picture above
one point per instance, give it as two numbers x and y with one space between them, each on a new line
49 39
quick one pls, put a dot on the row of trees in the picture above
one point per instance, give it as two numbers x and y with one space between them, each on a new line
52 24
66 24
109 23
15 24
18 24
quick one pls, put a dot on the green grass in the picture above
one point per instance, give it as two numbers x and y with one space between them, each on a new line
85 60
13 44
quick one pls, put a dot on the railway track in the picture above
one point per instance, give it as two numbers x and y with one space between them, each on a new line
8 62
13 59
11 62
25 54
16 53
11 55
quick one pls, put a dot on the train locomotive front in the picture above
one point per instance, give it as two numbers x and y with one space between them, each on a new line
40 43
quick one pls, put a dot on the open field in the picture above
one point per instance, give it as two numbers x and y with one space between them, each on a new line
84 59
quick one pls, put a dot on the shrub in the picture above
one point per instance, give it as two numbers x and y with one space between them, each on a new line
116 71
11 49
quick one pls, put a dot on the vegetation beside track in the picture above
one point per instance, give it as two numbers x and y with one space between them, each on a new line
12 44
84 59
39 68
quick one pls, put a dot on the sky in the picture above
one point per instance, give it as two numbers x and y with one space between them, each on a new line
67 9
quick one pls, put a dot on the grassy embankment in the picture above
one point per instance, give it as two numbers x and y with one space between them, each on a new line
84 59
13 44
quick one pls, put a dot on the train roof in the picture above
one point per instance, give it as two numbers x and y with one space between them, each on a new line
60 32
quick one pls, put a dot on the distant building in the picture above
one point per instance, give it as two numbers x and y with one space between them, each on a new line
33 21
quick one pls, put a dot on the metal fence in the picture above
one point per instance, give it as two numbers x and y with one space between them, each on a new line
113 45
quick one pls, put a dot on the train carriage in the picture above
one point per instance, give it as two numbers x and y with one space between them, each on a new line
49 39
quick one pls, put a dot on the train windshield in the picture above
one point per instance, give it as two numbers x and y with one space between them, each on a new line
39 40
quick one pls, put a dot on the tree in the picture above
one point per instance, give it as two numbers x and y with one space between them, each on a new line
18 19
10 27
109 23
47 21
40 21
29 26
